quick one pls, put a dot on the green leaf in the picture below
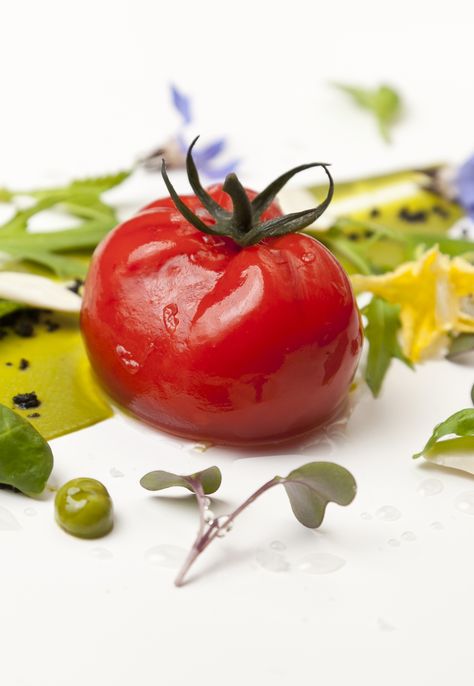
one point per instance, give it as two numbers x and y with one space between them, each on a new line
209 479
311 487
461 344
383 102
93 184
41 247
26 460
383 322
458 424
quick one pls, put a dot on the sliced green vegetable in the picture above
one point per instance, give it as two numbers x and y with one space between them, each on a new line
381 331
458 424
26 460
460 345
383 102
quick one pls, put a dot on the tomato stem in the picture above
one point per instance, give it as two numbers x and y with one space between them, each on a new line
244 223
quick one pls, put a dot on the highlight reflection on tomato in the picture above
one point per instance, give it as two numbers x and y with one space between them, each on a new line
222 324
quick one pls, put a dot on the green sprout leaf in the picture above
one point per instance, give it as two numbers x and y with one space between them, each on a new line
26 460
311 487
383 102
383 323
209 480
458 424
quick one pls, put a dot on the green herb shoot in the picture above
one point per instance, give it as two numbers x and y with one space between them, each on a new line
26 460
383 102
79 199
309 488
381 332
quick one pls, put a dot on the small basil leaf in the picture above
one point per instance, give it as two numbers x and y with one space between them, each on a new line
383 322
383 102
463 343
26 460
459 424
210 480
311 487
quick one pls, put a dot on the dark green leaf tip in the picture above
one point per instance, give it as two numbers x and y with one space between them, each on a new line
243 225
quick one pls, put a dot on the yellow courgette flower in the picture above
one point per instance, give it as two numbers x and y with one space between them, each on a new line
434 294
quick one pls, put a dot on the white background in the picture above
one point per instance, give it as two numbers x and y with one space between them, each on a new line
84 89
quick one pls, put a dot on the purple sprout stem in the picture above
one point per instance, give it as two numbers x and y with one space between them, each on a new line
206 535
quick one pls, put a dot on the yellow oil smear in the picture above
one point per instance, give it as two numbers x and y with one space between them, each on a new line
60 375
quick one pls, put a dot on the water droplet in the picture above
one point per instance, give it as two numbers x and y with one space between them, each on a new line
102 553
165 556
170 319
30 511
277 545
430 487
7 521
221 521
388 513
116 473
436 526
272 561
209 515
202 447
126 358
393 542
383 625
320 563
307 257
408 536
365 515
465 502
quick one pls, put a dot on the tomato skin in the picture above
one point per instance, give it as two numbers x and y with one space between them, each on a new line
211 341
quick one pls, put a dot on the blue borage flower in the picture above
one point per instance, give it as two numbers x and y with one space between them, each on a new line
465 186
174 151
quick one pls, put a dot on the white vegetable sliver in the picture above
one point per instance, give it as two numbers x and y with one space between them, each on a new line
38 291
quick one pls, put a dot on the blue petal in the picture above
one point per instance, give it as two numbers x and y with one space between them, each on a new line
182 103
465 186
211 151
217 173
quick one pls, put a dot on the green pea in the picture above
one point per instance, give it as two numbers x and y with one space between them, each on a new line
84 508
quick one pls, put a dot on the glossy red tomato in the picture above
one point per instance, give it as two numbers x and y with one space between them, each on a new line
213 341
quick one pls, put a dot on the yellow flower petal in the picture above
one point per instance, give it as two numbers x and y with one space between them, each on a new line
429 292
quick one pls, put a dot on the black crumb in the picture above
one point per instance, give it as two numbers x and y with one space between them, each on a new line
369 233
22 322
352 236
33 415
50 325
24 364
76 286
374 213
412 217
8 364
26 401
440 211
